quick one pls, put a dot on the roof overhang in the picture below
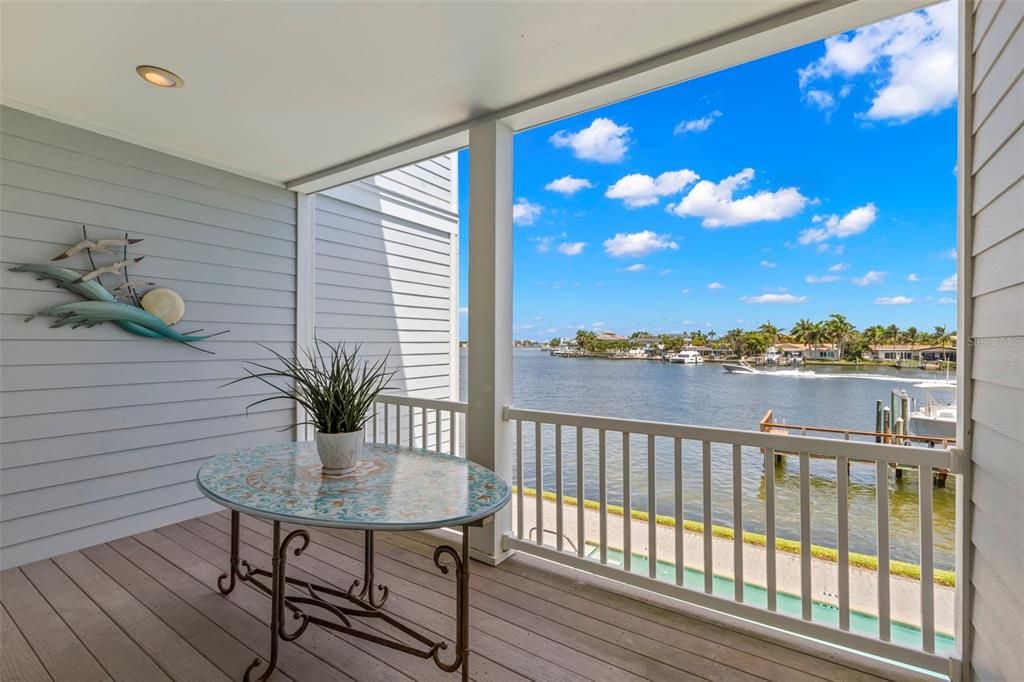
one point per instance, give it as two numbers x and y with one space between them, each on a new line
310 95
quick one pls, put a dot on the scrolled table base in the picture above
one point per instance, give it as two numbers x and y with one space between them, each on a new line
334 609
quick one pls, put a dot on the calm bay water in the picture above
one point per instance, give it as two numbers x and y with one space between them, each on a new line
705 395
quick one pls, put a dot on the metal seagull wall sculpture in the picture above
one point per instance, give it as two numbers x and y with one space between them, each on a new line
102 305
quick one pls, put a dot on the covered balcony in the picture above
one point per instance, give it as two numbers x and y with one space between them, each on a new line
299 180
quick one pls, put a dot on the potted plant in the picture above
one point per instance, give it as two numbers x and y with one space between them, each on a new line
336 390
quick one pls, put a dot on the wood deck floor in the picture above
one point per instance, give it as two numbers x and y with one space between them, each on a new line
146 608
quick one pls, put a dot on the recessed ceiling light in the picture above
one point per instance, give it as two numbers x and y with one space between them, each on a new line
162 78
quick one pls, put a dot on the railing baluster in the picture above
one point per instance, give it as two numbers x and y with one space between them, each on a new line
769 522
652 510
678 471
805 536
882 513
423 427
376 409
924 495
843 533
581 496
453 432
412 427
558 487
387 438
627 508
538 481
603 493
519 477
437 430
737 521
709 567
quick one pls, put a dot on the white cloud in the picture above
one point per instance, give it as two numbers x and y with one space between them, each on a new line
856 221
822 99
597 325
946 300
787 299
714 202
603 140
572 248
638 190
915 52
638 244
870 277
525 213
716 285
768 264
823 279
463 310
697 125
948 284
666 271
839 267
950 254
568 185
912 277
636 267
685 291
894 300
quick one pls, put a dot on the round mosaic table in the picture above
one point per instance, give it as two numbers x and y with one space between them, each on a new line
392 488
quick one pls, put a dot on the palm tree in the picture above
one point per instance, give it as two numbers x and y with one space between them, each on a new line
892 332
804 332
874 335
734 338
839 330
912 336
769 330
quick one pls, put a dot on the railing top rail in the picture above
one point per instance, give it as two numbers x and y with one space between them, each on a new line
430 404
829 447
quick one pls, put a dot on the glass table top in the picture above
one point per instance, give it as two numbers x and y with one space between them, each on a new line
391 488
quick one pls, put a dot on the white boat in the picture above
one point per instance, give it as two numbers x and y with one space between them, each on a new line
739 368
935 418
686 357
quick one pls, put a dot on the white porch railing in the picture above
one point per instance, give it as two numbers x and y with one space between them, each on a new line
570 470
417 422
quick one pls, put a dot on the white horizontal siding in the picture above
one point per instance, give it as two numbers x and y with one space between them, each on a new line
996 228
385 259
101 431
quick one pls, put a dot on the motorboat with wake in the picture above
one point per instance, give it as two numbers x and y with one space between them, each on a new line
740 367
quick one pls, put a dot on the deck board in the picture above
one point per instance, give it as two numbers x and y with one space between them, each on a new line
147 607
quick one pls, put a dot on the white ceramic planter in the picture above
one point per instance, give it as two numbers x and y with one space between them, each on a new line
339 452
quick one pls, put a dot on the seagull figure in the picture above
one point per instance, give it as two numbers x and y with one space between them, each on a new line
102 246
112 269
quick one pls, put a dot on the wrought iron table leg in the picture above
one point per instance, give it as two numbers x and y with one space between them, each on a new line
461 564
233 566
366 585
279 562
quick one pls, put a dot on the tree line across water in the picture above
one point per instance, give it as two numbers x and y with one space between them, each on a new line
848 342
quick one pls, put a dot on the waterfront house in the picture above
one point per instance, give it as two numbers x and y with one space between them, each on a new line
297 175
806 351
912 352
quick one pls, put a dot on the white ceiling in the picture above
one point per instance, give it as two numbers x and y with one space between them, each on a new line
284 90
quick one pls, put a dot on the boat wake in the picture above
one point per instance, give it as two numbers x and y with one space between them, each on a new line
811 374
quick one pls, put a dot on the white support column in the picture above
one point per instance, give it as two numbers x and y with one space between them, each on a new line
305 287
488 437
965 351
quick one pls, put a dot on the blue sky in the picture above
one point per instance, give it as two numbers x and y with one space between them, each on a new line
818 180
